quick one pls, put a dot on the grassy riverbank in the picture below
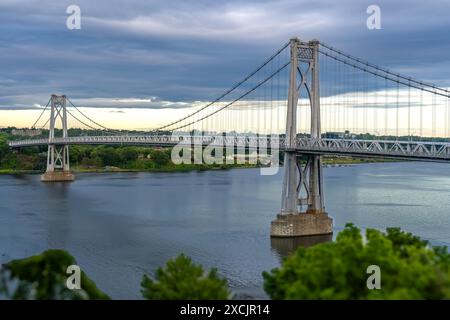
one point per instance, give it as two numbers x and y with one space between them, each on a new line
85 158
14 171
349 160
170 167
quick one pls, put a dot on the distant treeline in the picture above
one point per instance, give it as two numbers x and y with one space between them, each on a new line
124 157
89 157
347 134
83 156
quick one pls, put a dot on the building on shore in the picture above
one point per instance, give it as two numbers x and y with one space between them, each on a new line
26 132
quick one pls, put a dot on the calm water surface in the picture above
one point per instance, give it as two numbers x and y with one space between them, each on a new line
120 225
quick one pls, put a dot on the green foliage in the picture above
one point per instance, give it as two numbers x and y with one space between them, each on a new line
126 157
26 159
4 148
161 158
127 154
183 280
43 277
410 269
88 157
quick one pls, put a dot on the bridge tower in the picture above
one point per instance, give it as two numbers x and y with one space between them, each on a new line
302 181
58 168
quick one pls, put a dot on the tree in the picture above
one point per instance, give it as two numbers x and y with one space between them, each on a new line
127 154
161 158
183 280
4 148
43 277
410 268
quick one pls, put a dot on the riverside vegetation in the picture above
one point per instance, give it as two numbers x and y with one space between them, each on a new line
410 269
86 158
97 158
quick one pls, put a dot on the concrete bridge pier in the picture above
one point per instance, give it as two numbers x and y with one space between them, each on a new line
302 178
303 212
58 168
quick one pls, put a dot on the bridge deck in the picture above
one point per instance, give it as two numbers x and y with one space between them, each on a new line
410 150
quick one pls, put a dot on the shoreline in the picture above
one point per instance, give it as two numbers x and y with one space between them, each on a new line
124 170
327 163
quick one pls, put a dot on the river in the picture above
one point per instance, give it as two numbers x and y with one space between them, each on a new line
121 225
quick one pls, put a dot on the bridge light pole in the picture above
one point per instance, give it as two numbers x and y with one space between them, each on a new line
58 168
298 175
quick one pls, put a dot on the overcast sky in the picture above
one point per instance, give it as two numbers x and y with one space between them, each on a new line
156 54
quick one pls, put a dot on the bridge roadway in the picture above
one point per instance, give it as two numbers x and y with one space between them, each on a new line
407 150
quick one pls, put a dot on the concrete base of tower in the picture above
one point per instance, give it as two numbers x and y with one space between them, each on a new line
285 246
301 224
57 176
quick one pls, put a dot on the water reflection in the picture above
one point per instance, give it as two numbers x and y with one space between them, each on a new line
120 225
57 213
285 246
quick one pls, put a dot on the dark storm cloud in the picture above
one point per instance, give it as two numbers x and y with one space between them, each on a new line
191 50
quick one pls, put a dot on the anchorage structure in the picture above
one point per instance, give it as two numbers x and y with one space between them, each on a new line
302 180
58 154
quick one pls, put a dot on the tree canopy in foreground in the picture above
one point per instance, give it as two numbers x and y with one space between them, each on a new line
409 268
44 277
181 279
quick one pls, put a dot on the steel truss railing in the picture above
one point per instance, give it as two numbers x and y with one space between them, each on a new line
412 150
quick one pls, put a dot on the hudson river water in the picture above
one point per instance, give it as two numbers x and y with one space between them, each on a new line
121 225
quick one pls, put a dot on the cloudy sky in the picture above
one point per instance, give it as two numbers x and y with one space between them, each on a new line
154 55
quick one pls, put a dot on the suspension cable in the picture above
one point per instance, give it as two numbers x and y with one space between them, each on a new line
93 121
368 64
389 76
82 122
46 122
235 100
45 108
228 91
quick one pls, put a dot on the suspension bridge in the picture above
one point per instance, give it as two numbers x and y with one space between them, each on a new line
307 100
